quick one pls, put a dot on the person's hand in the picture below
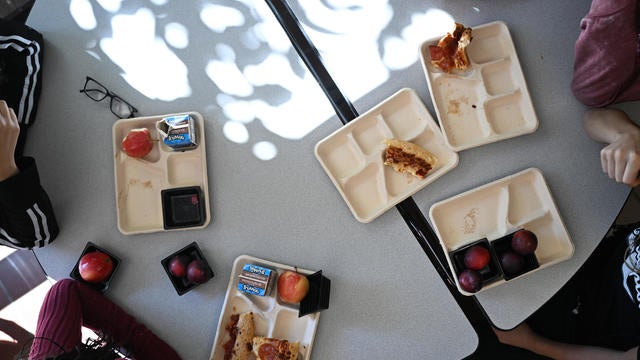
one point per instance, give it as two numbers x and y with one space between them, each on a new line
9 131
621 159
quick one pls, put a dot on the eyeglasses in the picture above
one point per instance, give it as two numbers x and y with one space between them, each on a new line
97 92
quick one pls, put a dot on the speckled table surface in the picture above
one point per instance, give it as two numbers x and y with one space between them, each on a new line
269 196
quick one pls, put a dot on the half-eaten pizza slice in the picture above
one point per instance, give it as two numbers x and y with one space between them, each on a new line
409 158
451 51
274 349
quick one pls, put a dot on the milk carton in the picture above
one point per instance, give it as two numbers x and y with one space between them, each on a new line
178 132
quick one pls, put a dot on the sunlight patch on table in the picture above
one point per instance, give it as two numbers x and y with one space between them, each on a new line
399 52
82 13
158 72
176 35
235 132
265 150
219 18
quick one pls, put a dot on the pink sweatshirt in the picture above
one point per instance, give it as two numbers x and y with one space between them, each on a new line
606 65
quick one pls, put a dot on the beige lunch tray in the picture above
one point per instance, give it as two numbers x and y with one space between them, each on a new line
490 101
272 318
352 155
522 200
139 182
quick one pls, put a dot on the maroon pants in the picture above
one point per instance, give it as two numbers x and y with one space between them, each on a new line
70 304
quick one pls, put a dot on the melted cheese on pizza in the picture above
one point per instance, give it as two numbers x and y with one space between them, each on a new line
274 349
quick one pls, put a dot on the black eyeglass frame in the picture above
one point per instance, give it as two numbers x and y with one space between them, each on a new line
111 95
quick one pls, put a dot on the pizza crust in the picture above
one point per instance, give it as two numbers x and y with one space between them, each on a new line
241 329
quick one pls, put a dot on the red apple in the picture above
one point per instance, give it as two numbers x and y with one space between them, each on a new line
95 266
137 143
476 257
178 265
292 287
198 272
524 242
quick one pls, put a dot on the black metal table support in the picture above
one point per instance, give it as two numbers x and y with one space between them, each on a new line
488 346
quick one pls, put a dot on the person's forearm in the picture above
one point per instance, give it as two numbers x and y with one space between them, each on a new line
607 125
563 351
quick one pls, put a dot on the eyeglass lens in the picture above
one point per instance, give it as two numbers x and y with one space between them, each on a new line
120 108
94 90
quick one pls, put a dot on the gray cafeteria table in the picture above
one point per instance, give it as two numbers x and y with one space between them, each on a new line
286 209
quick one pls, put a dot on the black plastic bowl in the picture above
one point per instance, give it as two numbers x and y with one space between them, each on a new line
102 286
182 285
489 273
183 207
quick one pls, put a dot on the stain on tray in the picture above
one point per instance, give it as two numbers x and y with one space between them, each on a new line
137 182
471 221
453 106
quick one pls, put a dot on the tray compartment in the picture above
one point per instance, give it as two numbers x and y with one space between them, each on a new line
342 156
288 326
139 201
369 135
509 114
550 252
397 183
263 321
498 78
366 190
183 168
526 201
490 43
405 115
432 140
460 107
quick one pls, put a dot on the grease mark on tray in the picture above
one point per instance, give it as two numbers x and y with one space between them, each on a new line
145 184
453 106
471 221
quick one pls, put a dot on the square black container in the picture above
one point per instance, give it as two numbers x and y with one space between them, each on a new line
182 285
100 286
183 207
502 245
489 273
318 297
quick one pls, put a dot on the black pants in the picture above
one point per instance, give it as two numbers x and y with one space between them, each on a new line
566 317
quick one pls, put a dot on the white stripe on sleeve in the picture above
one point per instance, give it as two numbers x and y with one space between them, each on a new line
45 225
36 227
